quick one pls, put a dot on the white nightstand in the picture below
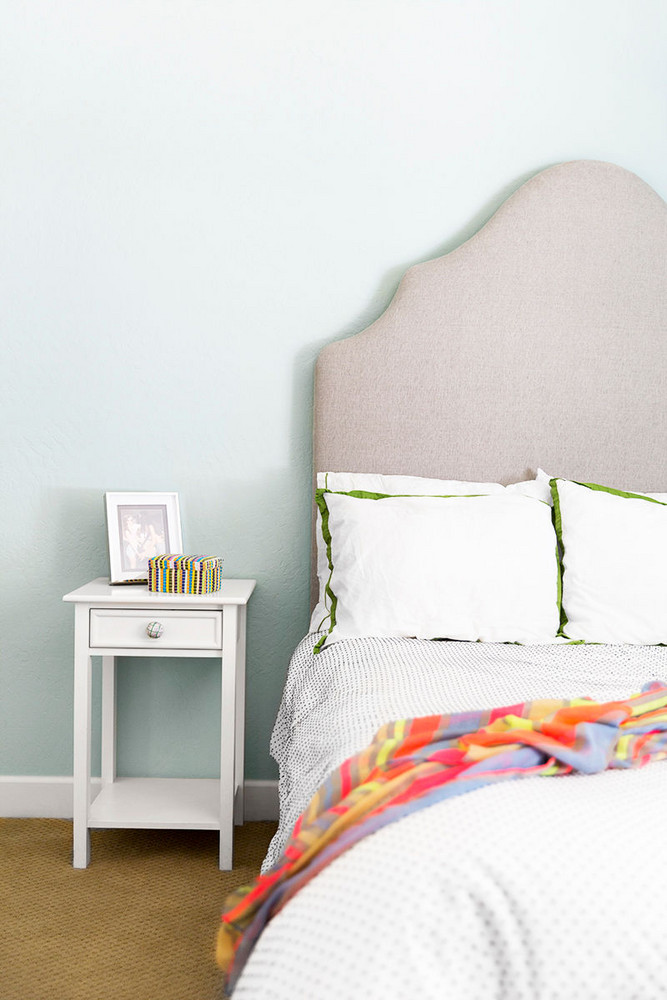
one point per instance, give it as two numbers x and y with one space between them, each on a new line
110 622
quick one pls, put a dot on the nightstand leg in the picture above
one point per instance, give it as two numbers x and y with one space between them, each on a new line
108 719
239 771
82 726
228 722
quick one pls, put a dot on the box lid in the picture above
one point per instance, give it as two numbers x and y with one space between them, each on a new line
178 561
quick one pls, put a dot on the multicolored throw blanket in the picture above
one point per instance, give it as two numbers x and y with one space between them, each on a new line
413 763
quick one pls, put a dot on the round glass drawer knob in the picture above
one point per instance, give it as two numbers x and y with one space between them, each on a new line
154 630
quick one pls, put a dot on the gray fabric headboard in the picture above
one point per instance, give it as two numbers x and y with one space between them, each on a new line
541 341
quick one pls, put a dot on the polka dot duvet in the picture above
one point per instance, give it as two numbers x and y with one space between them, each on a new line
541 889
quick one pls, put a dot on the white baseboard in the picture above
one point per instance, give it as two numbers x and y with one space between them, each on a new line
47 797
260 800
37 797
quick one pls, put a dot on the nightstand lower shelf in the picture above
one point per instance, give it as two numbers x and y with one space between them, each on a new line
157 804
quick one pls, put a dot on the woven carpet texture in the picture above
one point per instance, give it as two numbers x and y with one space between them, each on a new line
138 924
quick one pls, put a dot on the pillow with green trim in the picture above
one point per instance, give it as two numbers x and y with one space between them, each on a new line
372 482
480 568
613 563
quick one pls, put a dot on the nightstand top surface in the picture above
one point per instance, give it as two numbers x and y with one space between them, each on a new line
100 591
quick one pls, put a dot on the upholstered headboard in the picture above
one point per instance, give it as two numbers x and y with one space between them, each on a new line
541 341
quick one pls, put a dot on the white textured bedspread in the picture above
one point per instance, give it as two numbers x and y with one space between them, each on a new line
541 889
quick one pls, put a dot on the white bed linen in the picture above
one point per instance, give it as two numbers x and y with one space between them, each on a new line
543 889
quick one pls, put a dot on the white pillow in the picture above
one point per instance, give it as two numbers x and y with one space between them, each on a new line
370 482
543 486
462 567
614 563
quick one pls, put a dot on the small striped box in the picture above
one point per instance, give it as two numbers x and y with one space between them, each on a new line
179 574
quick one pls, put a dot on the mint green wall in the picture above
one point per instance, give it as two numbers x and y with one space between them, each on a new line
197 197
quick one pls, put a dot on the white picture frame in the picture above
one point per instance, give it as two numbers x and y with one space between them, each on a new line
140 525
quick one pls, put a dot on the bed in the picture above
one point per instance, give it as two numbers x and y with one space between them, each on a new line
538 344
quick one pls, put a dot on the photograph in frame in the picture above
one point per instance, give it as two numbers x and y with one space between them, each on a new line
139 526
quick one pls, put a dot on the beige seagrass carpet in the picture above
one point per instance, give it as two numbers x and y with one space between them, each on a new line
138 924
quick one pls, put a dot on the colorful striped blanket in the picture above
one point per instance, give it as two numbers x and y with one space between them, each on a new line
413 763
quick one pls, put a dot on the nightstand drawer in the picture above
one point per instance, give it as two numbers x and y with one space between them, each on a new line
180 629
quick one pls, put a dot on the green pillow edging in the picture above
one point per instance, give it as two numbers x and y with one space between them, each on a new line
558 527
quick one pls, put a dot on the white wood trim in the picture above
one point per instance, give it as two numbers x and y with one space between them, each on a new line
228 722
239 748
260 801
83 685
108 719
50 797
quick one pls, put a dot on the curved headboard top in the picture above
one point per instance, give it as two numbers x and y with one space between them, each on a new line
541 341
